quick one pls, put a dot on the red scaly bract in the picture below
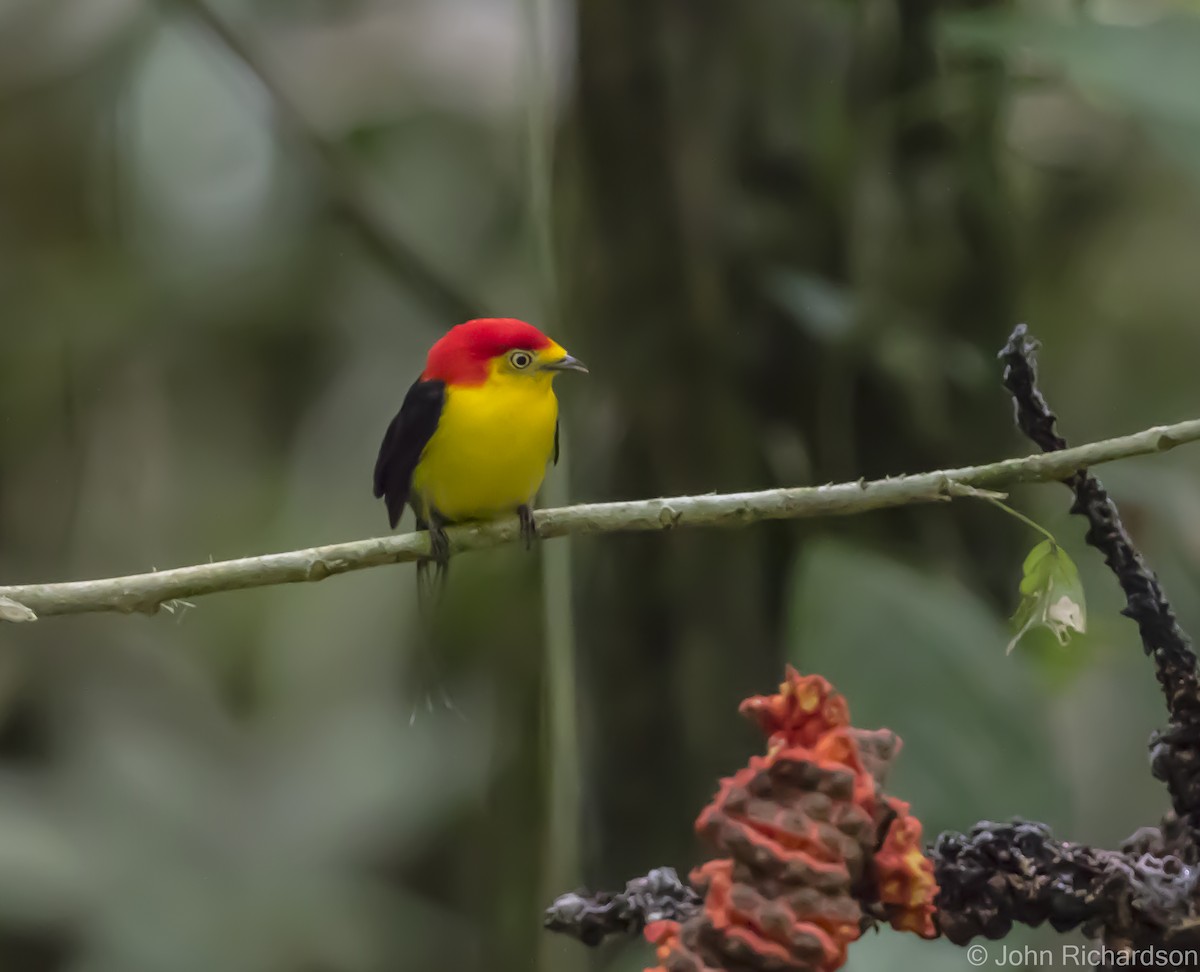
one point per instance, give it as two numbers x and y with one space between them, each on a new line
811 841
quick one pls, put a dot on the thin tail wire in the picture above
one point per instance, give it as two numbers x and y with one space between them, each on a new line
432 575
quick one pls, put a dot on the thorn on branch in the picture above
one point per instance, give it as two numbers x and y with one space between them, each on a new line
1175 752
15 611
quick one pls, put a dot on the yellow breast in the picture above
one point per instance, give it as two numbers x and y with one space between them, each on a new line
489 453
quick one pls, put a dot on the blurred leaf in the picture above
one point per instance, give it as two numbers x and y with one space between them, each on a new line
1051 595
1059 670
178 838
917 653
820 307
42 877
11 610
402 784
1151 69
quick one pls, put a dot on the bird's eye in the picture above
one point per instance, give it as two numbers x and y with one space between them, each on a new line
521 359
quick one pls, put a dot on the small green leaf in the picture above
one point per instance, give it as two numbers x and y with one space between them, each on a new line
1051 594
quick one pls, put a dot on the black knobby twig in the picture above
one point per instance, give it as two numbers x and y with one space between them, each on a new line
591 917
1000 874
1175 752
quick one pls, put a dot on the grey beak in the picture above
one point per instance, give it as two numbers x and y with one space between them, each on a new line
568 363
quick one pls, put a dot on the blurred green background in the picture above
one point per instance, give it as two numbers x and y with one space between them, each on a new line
787 236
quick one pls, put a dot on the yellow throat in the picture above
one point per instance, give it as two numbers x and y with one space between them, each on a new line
492 444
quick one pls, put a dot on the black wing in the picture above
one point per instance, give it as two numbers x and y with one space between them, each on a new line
556 442
404 442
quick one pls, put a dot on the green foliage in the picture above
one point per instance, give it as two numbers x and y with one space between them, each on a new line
1149 68
168 838
1051 595
165 837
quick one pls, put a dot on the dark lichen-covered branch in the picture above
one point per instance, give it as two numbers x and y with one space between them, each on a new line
593 916
1175 753
998 875
1001 874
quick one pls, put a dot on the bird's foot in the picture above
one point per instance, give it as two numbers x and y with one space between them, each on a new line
529 531
439 545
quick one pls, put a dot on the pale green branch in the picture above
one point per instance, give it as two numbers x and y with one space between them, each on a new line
147 592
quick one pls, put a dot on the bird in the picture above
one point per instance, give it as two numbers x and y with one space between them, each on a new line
475 433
